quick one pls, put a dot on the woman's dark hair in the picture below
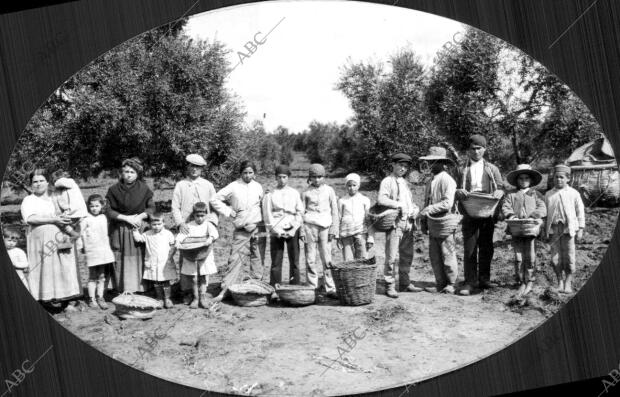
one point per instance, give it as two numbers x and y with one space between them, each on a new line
245 164
96 197
39 171
136 164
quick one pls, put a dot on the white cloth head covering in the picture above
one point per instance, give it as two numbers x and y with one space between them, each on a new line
352 177
196 159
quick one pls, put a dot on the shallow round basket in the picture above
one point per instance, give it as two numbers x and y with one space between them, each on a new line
129 305
251 294
296 295
442 227
387 219
355 281
523 227
480 205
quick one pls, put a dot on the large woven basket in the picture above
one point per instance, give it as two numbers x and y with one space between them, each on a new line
296 295
382 218
133 306
251 293
598 184
194 249
355 281
480 205
444 226
524 227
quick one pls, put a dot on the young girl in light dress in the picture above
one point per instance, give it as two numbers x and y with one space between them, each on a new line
96 247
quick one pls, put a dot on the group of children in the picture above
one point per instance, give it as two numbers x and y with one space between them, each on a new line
317 218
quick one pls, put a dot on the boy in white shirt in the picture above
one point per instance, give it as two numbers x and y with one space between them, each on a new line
353 210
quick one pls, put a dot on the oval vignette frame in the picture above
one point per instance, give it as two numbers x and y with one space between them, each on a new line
577 342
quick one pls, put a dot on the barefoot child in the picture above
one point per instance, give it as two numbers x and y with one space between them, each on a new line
96 247
17 255
158 264
199 263
69 201
524 203
353 209
565 220
320 226
439 201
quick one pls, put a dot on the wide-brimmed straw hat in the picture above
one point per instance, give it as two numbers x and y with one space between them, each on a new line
524 169
436 153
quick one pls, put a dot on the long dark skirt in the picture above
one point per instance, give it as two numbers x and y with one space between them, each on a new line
129 260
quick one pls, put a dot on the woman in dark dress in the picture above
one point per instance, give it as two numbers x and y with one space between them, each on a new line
129 202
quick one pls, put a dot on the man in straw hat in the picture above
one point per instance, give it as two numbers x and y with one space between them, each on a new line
394 193
479 176
565 221
187 192
524 203
438 202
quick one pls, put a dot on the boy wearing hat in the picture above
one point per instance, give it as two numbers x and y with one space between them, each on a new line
394 193
353 210
439 201
283 212
478 175
524 203
187 192
320 226
565 220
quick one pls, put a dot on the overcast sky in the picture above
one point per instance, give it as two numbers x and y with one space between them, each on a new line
290 78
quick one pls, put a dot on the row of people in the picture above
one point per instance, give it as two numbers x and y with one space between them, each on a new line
315 217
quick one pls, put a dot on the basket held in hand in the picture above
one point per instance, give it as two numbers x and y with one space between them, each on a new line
383 218
442 227
480 205
524 227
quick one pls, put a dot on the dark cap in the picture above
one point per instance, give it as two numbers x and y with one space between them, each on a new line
478 140
283 170
401 158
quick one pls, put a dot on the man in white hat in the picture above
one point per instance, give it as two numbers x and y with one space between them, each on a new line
187 192
438 202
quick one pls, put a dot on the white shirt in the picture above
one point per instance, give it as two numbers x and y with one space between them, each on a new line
392 191
353 211
244 199
95 240
157 267
187 193
476 171
207 266
283 210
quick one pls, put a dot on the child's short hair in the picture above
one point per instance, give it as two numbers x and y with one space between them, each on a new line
96 197
200 207
245 164
11 231
156 216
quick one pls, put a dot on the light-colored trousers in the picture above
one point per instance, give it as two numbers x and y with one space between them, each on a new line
525 258
398 241
442 252
562 250
353 247
317 236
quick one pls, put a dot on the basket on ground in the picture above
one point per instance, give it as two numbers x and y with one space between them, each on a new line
383 218
251 293
524 227
296 295
480 205
442 227
355 281
129 305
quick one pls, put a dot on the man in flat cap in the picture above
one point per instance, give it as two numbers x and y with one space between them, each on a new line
480 176
187 192
394 192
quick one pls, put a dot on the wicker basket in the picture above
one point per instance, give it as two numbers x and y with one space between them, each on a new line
296 295
383 218
251 293
480 205
194 248
524 227
598 184
444 226
355 281
133 306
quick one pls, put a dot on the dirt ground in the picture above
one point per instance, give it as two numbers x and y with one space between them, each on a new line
328 349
